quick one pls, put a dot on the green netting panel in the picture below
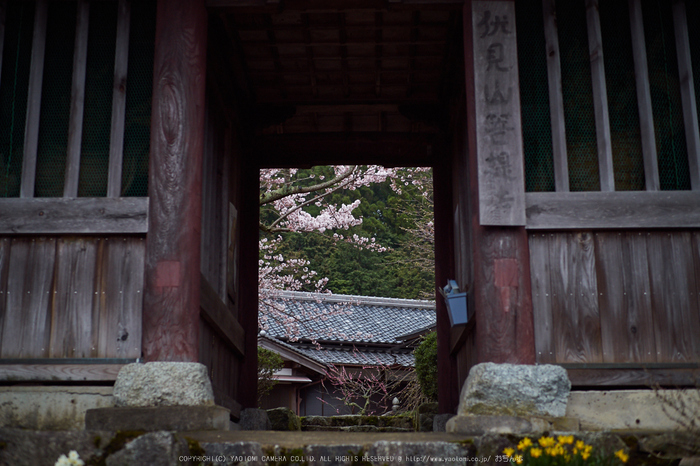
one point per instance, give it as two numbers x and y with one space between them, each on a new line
534 97
14 78
581 145
693 12
138 99
625 135
55 100
94 159
665 94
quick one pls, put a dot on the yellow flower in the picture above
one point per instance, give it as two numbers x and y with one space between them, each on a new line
546 442
524 443
585 455
508 452
558 450
519 459
622 455
566 439
536 452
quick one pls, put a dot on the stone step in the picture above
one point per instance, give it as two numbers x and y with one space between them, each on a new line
258 448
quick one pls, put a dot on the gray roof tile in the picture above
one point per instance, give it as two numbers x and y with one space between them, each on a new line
355 319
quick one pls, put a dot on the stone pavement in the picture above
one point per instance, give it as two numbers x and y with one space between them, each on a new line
37 448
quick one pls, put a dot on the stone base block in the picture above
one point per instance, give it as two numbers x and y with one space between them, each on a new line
481 425
151 419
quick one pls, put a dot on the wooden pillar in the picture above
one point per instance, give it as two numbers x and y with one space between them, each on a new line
448 388
502 293
171 296
248 282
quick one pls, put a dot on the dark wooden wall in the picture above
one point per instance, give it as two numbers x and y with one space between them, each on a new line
221 337
71 296
616 297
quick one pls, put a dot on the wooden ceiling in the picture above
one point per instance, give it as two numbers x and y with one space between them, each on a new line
310 66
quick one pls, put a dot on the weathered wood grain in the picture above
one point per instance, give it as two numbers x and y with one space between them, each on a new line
556 98
646 116
627 328
498 127
71 313
687 85
74 215
674 296
36 76
622 209
540 273
116 138
504 324
600 97
77 101
217 314
30 290
172 275
60 372
634 377
124 294
574 298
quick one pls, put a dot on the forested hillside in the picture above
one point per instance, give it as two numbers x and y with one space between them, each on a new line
397 218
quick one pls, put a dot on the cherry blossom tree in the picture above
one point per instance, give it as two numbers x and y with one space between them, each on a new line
293 200
296 200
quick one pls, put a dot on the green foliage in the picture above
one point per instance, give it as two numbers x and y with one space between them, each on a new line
386 216
269 362
426 366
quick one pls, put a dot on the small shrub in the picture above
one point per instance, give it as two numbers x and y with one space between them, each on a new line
269 362
426 366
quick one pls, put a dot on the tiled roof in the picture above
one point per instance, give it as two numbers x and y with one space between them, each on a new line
360 357
354 319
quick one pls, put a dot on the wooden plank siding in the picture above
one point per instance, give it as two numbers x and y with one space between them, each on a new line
88 215
609 297
71 297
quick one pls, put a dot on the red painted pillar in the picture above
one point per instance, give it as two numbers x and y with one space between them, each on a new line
502 289
171 295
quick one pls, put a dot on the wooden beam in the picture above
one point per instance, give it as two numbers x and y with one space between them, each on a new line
644 377
116 139
294 150
77 101
499 141
172 285
36 76
59 372
600 97
74 215
502 295
247 304
690 111
556 98
621 209
448 388
214 311
646 115
266 5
